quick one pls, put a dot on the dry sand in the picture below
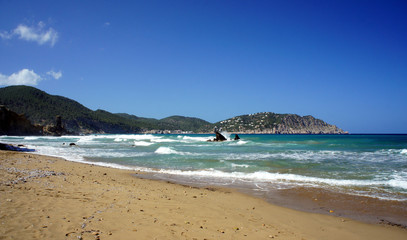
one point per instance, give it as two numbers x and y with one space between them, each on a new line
43 197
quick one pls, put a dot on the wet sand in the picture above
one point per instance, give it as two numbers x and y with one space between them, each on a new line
361 208
43 197
310 199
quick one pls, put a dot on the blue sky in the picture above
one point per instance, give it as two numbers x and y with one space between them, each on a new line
344 62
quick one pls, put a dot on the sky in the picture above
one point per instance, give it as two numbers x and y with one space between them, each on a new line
344 62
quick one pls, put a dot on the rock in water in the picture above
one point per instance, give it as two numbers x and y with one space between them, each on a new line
219 137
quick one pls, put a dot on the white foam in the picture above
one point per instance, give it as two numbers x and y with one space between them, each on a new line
112 154
86 139
142 143
234 165
144 137
79 154
163 140
226 135
31 138
398 184
169 150
241 142
165 150
403 151
66 153
267 177
117 137
399 180
319 156
194 139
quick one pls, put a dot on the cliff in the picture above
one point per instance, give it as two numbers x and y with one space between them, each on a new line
14 124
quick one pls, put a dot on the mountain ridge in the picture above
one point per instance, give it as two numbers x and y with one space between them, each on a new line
42 108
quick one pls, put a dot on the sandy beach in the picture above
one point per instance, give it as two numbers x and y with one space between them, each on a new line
44 197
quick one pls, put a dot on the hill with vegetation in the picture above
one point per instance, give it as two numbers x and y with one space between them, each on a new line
180 123
273 123
43 109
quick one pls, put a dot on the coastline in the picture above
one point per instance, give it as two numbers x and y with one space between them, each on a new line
315 200
48 197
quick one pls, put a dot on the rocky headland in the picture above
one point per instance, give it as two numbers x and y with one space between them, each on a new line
273 123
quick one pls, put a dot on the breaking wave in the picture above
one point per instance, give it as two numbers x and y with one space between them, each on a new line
142 143
166 150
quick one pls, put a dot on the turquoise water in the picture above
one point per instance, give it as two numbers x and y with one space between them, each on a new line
368 165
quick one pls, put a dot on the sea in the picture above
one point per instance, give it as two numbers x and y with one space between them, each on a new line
364 165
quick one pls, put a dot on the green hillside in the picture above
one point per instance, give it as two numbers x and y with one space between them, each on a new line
186 123
42 108
171 123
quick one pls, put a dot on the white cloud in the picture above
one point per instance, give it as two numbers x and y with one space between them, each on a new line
55 75
36 34
23 77
6 35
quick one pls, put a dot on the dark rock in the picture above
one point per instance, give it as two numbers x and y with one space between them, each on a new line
57 130
13 124
72 144
219 137
236 137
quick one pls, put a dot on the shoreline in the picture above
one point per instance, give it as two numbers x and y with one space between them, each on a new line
48 197
315 200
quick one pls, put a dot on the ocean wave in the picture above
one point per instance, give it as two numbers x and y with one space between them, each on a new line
31 138
267 177
321 156
80 154
163 140
193 139
241 142
119 140
87 139
113 154
142 143
399 180
234 165
169 150
166 150
117 137
34 138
